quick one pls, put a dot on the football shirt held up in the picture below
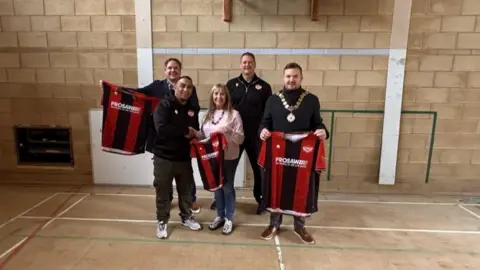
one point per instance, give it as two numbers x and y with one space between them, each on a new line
292 164
125 117
210 158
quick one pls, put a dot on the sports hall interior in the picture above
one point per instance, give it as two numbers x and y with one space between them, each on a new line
399 87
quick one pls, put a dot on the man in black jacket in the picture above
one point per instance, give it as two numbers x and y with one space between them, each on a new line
176 122
249 94
162 89
292 110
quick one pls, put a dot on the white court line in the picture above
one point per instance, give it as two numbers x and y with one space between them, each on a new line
469 211
21 216
251 198
78 193
28 210
63 212
279 251
13 248
73 205
265 225
51 219
100 219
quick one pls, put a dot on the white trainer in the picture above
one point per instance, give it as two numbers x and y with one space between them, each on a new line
227 227
162 232
217 223
192 224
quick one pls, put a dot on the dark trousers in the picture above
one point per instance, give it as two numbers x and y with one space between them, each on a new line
251 145
276 221
194 194
164 172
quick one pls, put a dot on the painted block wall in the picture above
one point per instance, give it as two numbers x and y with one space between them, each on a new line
53 52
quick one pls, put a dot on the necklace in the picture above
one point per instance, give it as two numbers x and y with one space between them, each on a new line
216 122
291 116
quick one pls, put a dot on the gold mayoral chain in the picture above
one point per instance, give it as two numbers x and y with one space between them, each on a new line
291 116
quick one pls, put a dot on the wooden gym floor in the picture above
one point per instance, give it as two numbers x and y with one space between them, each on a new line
114 228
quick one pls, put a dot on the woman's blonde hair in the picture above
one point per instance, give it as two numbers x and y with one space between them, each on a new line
211 105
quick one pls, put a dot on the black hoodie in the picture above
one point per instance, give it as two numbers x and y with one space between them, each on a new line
171 120
161 89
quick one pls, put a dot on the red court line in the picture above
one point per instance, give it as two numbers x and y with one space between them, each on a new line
15 252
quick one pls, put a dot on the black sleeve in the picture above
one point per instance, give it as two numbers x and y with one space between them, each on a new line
163 125
195 105
267 93
194 99
316 122
267 115
229 85
147 90
195 122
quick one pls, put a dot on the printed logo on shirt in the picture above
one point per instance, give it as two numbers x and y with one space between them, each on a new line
291 162
191 113
258 87
125 107
210 155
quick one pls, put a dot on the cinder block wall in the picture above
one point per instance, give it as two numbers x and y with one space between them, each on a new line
52 53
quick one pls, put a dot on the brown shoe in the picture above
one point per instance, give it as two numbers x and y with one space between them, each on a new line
270 232
304 236
195 208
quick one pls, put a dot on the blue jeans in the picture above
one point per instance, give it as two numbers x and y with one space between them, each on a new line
225 197
194 194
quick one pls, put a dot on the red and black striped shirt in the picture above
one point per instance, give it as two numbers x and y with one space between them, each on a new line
291 164
125 117
210 157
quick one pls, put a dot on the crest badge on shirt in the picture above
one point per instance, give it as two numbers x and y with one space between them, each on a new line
307 149
258 87
191 113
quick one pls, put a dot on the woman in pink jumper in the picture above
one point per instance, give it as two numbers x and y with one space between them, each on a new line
221 117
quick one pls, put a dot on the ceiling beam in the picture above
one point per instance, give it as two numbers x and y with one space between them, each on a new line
227 10
314 10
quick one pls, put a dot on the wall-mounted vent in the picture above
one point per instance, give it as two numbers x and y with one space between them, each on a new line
44 146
